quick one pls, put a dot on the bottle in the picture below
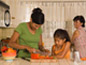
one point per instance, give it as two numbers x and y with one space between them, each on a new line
76 56
72 52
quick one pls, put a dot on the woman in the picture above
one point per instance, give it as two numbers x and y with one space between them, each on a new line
29 35
79 36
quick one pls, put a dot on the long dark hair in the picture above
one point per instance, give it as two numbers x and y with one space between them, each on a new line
62 34
37 16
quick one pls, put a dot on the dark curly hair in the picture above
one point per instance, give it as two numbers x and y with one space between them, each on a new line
37 16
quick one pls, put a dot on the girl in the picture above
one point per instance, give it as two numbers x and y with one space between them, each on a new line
61 48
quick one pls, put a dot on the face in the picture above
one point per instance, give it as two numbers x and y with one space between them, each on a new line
35 26
59 41
77 24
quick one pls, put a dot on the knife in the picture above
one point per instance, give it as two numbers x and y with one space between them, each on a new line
27 59
42 53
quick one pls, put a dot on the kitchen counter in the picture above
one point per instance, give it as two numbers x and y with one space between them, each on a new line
19 61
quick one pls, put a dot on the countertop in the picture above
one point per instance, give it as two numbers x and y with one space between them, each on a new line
19 61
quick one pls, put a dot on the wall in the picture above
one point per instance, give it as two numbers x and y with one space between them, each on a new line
70 13
16 19
0 33
15 9
52 0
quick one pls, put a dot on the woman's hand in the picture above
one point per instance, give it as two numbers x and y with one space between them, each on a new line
41 48
31 50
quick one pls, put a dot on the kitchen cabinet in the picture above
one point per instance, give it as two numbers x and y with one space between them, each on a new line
6 1
4 14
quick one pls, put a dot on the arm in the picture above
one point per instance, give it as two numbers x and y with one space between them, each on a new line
41 46
13 43
53 50
67 47
75 35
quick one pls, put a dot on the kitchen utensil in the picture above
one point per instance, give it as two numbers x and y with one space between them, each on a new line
77 56
27 59
42 53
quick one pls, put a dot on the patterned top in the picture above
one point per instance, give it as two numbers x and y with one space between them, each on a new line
80 42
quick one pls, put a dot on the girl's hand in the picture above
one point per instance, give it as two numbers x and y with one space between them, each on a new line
46 50
41 48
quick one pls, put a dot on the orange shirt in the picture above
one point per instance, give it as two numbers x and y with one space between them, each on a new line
67 56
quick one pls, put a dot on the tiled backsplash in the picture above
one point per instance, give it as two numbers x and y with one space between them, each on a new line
0 33
6 32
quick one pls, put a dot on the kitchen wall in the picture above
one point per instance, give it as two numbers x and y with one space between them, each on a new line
15 9
0 33
53 0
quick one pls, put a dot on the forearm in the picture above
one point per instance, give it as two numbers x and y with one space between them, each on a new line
59 56
17 46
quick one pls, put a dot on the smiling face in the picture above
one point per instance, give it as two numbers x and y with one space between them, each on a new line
34 26
59 41
77 24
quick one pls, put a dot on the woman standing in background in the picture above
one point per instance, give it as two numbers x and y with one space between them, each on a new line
79 36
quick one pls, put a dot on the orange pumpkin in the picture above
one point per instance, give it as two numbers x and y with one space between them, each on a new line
48 57
38 56
51 57
10 50
41 57
4 48
83 59
35 56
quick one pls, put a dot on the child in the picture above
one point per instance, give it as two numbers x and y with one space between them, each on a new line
61 48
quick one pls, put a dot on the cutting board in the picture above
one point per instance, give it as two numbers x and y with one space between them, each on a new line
43 60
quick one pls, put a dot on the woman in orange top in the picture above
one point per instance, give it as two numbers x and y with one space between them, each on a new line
61 48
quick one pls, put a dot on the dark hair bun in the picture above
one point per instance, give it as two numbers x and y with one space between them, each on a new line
37 10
